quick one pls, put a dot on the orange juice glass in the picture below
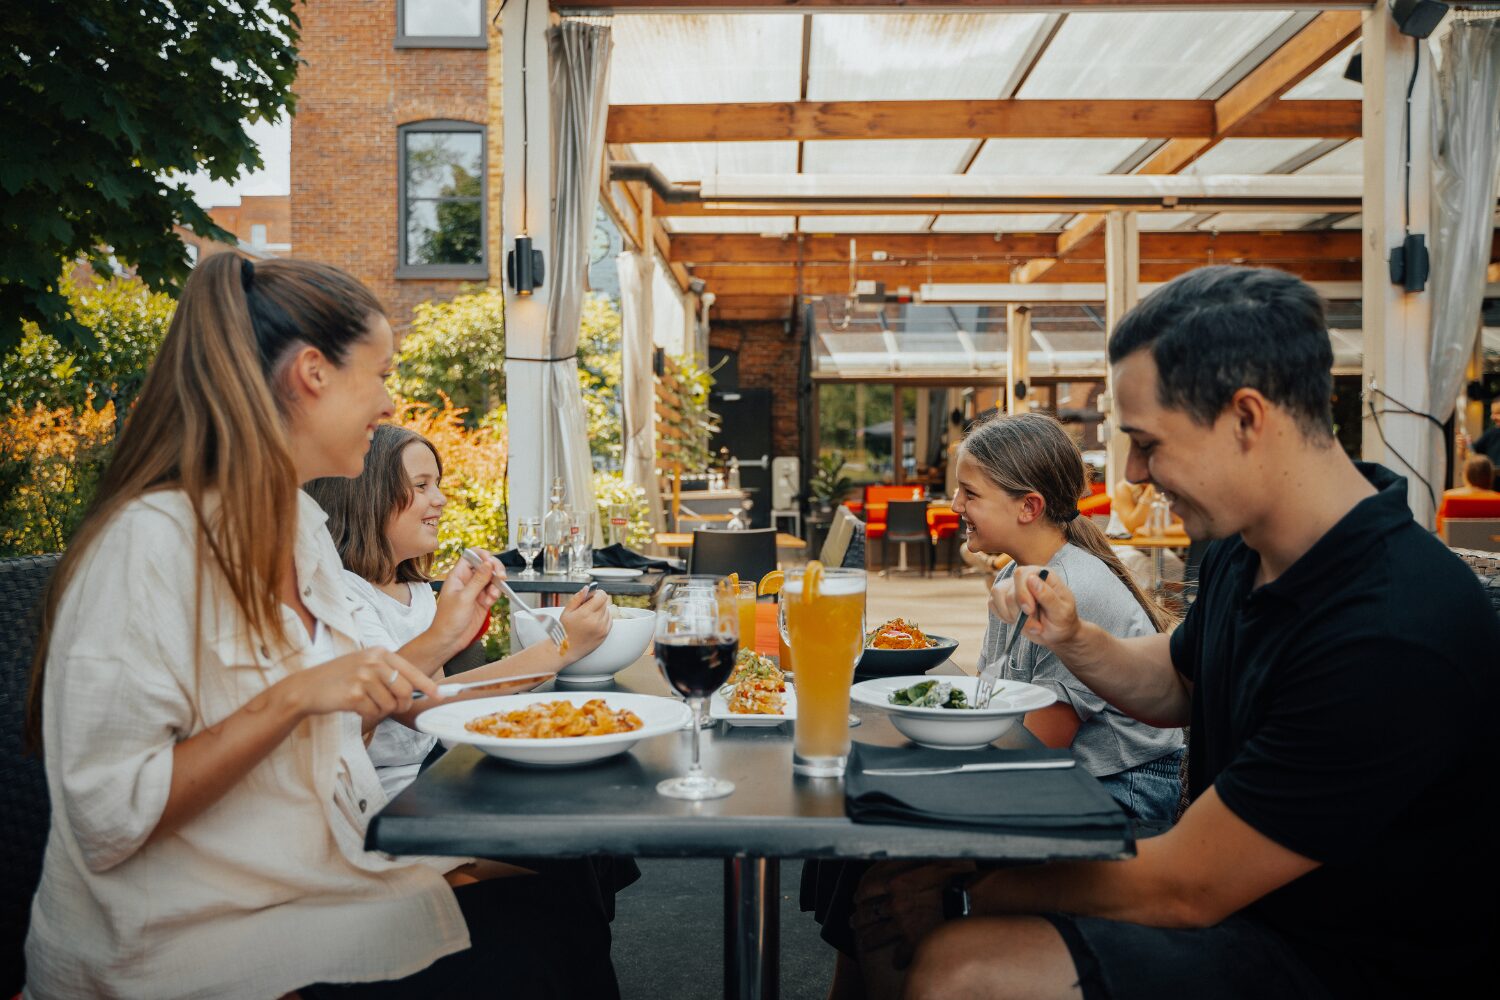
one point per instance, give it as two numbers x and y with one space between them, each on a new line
747 615
825 630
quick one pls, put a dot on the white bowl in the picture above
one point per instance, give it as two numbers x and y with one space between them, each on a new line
629 635
954 728
659 715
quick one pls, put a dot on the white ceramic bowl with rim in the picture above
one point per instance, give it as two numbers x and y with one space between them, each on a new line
629 634
954 728
658 715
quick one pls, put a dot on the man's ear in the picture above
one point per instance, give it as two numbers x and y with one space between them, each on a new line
1249 410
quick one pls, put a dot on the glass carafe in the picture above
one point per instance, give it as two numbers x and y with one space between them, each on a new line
555 530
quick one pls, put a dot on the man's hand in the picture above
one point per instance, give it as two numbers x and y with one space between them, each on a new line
1051 614
900 903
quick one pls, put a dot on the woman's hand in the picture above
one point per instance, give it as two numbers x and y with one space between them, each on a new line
1051 614
468 594
371 683
587 621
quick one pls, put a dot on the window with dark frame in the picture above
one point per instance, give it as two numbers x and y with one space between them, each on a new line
440 24
442 200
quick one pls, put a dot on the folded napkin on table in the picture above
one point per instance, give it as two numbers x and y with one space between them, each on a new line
619 557
1041 801
511 559
1116 528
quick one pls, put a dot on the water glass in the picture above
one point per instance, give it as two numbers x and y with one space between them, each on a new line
580 553
529 544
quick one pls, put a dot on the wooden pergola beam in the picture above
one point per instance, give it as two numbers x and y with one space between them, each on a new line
955 6
809 120
1323 37
703 249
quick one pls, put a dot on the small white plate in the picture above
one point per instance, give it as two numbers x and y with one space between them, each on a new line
658 715
718 708
612 573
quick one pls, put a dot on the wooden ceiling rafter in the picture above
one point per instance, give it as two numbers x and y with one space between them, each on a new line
579 7
1003 118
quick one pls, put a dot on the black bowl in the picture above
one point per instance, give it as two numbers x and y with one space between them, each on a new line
896 662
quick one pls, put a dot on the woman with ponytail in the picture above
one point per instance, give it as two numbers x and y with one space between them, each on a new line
201 699
1019 482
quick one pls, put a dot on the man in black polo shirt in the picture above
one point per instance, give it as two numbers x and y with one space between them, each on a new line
1338 673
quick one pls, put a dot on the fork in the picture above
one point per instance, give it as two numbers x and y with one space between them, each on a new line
985 690
550 625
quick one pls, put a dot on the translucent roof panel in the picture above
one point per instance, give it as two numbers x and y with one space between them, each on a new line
693 161
1347 159
1350 222
705 58
891 57
1035 223
729 224
1248 156
864 223
1257 221
1160 222
1141 55
885 156
1327 83
1052 156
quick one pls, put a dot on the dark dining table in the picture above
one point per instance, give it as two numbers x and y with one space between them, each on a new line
471 805
554 587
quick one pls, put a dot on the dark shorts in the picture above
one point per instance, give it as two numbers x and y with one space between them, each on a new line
1239 959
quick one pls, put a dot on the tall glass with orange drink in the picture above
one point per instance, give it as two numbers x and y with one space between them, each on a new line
746 597
824 610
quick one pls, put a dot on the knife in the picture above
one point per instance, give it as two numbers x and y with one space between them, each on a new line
1056 764
993 671
450 689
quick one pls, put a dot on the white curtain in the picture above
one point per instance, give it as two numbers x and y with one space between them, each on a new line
637 378
1466 160
578 67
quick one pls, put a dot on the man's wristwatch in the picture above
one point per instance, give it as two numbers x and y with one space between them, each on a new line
956 902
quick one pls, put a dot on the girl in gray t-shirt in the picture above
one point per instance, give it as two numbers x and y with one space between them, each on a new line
1019 481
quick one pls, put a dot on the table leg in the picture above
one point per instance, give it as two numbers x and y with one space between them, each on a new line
752 928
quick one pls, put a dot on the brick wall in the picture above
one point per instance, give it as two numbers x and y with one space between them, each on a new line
353 92
769 358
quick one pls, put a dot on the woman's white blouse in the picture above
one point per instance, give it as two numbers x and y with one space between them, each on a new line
270 888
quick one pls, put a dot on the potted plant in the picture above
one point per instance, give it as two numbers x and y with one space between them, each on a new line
827 486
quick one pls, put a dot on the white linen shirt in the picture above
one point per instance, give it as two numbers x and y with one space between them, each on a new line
270 888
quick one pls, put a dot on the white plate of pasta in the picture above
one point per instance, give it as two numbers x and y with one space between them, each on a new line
557 728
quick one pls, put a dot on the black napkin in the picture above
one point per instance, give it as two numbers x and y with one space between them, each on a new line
511 559
1058 801
619 557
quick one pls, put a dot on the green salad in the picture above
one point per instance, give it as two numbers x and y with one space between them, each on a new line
930 694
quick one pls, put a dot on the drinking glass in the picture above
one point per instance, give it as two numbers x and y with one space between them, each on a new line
580 554
529 544
619 523
746 598
825 628
697 637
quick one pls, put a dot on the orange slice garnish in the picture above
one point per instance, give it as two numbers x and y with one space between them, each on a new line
812 581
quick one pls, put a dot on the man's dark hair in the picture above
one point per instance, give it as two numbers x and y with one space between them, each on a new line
1216 330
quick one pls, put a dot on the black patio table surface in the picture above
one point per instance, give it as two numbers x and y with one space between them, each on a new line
472 805
551 585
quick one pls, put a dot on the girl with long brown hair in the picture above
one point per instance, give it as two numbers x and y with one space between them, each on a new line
1019 482
385 526
200 694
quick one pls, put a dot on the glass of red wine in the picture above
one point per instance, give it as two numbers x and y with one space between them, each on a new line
697 637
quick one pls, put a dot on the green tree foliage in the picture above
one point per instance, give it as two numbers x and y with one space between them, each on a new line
126 322
101 103
459 236
599 373
456 349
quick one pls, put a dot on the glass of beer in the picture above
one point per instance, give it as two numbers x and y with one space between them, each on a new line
824 611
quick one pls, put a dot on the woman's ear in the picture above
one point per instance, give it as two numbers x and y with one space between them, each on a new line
306 374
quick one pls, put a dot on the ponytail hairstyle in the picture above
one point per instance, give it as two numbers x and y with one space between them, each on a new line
210 420
1031 453
359 509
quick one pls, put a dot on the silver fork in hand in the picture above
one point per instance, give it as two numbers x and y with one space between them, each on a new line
550 625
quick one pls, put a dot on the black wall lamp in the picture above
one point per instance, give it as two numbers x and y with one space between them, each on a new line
524 267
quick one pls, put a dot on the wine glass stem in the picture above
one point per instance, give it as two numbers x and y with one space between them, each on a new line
696 769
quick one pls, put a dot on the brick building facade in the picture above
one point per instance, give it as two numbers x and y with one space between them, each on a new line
354 93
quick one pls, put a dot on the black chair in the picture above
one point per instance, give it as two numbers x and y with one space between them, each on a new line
906 521
751 554
854 555
25 812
